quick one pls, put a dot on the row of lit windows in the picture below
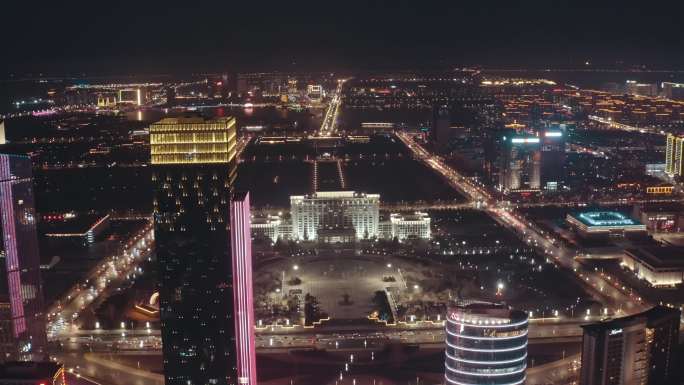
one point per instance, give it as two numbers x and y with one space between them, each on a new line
220 157
158 128
185 148
184 177
200 137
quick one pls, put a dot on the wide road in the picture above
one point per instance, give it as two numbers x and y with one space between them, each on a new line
329 124
106 277
617 297
321 337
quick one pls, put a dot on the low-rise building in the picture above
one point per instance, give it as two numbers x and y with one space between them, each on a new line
413 226
661 218
603 223
660 266
266 227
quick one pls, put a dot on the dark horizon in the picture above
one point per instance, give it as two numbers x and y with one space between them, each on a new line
174 37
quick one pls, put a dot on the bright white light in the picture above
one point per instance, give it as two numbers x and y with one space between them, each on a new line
525 140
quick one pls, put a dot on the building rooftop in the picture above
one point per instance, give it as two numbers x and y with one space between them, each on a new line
653 315
74 225
417 216
669 207
193 119
475 311
334 195
29 370
659 256
604 218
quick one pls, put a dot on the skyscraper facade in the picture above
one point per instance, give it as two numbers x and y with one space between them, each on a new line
486 343
22 262
441 126
243 298
521 164
193 163
638 349
674 155
552 159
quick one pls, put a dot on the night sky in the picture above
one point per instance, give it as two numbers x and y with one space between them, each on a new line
124 37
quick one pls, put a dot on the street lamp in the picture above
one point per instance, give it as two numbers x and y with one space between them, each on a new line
295 267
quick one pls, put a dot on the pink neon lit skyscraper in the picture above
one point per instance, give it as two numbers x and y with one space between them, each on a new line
241 250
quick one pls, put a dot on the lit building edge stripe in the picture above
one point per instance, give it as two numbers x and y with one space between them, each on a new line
241 254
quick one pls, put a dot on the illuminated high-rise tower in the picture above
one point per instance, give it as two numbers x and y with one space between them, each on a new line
674 155
241 250
552 172
193 163
521 164
22 262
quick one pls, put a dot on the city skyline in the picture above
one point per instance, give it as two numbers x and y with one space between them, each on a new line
378 193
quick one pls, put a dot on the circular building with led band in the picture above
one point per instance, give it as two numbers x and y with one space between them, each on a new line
486 343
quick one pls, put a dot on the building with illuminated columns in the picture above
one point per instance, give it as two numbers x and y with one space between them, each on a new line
674 155
412 226
660 266
486 343
26 338
3 138
349 213
193 169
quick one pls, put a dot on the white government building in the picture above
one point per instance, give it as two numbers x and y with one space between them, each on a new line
340 216
335 210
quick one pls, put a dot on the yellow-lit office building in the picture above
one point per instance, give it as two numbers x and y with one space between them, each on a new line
193 169
674 155
193 140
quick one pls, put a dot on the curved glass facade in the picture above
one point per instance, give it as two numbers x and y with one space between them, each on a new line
485 344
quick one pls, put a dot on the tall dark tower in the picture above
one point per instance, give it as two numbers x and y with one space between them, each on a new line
27 339
170 96
552 159
194 168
